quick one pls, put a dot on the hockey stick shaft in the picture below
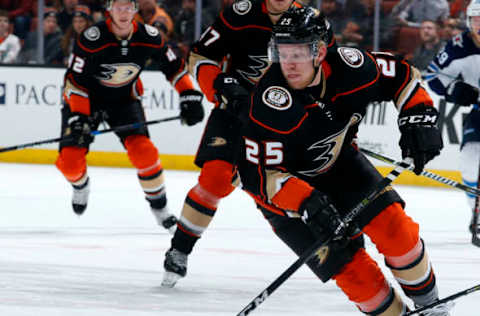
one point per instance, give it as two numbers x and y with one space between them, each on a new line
474 227
444 300
424 173
93 133
310 252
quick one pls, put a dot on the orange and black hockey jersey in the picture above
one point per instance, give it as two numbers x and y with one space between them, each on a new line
104 69
239 35
293 139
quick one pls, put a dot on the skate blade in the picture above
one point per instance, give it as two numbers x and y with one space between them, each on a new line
170 279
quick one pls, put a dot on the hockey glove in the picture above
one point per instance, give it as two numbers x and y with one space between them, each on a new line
191 109
79 128
462 93
322 217
421 139
231 95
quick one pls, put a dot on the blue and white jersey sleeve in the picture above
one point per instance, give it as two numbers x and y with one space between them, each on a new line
459 59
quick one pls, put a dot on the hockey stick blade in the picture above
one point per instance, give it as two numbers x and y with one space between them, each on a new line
424 173
93 133
444 300
310 252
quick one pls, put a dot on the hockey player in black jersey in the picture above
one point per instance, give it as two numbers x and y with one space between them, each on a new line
102 83
239 38
455 74
300 164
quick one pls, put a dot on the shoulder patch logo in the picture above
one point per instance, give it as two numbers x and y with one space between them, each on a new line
351 56
92 33
242 7
277 98
151 30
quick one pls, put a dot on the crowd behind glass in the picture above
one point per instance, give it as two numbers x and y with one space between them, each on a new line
416 29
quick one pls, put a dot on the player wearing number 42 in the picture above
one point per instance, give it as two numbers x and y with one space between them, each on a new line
301 165
455 74
102 83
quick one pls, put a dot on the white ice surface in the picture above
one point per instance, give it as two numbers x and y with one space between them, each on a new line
109 261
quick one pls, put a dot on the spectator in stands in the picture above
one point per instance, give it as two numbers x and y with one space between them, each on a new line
19 11
413 12
52 39
332 10
9 43
149 12
359 30
431 45
82 19
452 27
185 24
64 18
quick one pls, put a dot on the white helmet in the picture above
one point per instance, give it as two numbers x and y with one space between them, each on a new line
473 9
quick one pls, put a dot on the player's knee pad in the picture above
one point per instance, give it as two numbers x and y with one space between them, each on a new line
393 232
361 279
72 163
142 153
216 178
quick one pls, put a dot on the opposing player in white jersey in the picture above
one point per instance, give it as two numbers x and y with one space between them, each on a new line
455 73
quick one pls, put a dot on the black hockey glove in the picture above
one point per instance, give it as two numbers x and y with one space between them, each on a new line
231 95
462 93
322 217
191 109
421 139
79 128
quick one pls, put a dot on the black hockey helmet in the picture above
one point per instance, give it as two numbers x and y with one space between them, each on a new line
305 25
110 3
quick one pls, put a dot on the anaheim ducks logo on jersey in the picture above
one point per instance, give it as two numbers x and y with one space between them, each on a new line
242 7
118 75
351 56
329 148
257 65
92 33
277 98
322 254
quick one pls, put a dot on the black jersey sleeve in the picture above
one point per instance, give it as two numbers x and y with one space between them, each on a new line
81 66
401 82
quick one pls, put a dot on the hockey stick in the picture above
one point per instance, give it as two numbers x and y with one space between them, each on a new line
474 225
424 173
310 252
93 133
446 299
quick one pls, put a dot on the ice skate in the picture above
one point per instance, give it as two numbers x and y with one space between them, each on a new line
80 197
175 265
165 219
438 310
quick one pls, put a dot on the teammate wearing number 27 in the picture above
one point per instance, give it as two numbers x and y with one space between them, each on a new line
102 83
301 165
